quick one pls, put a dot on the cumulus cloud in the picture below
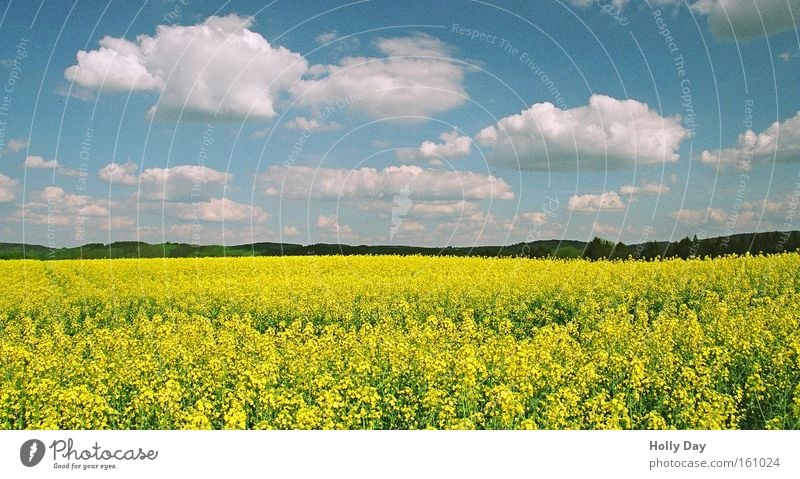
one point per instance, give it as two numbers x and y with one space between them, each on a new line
218 210
766 214
607 133
302 123
414 78
535 217
334 41
303 182
122 174
608 201
407 227
769 206
423 210
418 45
703 7
474 229
261 133
780 141
330 225
327 37
695 217
290 231
443 209
118 222
588 3
78 92
219 67
727 19
17 144
748 19
604 229
38 162
453 146
756 215
222 68
645 188
176 183
7 187
182 182
53 205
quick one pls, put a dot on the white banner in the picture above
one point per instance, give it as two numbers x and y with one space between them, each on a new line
370 454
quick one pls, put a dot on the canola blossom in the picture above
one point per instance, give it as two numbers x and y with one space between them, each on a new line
383 342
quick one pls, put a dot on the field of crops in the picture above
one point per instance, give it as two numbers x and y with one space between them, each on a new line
400 342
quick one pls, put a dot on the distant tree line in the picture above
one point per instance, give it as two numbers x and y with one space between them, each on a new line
599 248
596 249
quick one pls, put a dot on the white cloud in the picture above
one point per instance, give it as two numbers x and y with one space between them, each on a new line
443 209
418 45
302 123
756 215
588 3
327 37
290 231
748 19
334 41
702 7
176 183
623 132
7 187
117 65
694 217
302 182
780 141
218 210
453 146
75 91
53 205
407 227
17 144
71 172
767 214
330 225
39 163
608 201
414 78
438 210
219 67
765 205
474 229
603 229
645 188
222 68
742 19
182 182
79 204
121 174
117 223
261 133
327 222
535 217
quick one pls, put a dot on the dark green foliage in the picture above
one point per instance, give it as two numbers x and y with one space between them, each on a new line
598 248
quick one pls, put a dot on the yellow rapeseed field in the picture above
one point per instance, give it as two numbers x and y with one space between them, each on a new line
400 342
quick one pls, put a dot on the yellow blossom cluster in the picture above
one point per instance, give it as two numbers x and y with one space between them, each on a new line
363 342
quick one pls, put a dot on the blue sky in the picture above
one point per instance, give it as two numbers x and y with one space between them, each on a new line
376 122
